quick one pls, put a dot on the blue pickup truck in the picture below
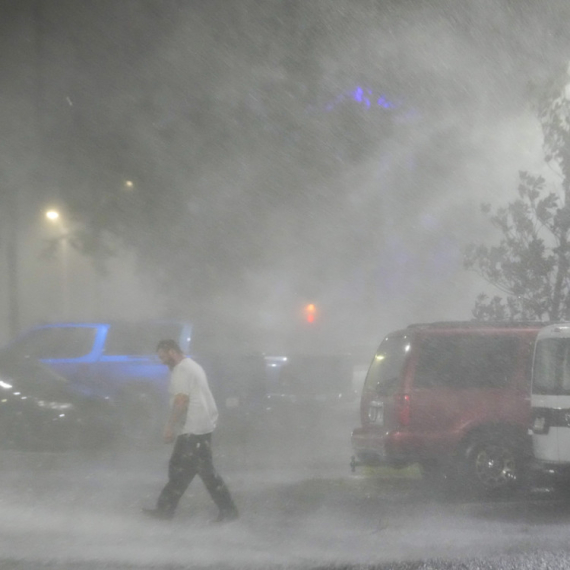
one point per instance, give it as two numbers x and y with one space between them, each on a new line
116 361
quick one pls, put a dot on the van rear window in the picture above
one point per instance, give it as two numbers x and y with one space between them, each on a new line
552 367
386 368
465 361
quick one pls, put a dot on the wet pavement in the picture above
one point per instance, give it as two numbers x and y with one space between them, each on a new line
301 507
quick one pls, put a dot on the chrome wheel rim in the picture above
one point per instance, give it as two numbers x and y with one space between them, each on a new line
495 466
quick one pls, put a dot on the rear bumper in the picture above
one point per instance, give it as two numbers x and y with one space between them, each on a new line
398 448
373 447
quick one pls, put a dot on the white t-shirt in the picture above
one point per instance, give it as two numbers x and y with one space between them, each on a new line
189 378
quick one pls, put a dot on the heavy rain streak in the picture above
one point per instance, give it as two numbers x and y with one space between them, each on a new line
277 186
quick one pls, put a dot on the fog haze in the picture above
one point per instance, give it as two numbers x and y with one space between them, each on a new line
229 162
280 154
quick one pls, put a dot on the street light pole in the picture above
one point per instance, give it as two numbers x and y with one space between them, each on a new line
55 217
12 265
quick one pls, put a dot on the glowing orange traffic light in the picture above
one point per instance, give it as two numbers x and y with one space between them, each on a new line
310 313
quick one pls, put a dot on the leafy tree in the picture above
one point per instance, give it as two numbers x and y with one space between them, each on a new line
531 261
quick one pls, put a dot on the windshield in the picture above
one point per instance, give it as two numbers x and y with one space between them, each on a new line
386 368
551 374
31 376
137 339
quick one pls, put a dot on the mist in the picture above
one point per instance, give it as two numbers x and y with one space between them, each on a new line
227 163
379 132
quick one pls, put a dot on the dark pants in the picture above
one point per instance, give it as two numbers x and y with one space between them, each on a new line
192 455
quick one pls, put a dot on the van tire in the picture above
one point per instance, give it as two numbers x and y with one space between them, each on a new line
491 465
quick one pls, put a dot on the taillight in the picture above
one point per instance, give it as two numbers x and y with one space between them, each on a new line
542 419
403 409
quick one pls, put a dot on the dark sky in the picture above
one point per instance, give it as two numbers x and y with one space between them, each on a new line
281 152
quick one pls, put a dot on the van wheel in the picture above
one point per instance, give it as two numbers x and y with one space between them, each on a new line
492 465
141 416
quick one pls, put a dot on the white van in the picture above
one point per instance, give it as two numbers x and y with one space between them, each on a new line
550 399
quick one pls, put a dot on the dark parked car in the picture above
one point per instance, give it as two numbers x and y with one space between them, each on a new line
309 379
41 410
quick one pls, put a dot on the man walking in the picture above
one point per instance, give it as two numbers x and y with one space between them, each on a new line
192 419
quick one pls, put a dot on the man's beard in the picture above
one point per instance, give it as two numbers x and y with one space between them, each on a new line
172 362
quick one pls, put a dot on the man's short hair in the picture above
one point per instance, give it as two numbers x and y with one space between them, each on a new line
168 344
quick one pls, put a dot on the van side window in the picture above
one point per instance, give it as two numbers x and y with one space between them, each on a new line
465 361
386 368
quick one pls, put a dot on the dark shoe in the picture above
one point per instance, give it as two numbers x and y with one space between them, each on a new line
158 514
227 516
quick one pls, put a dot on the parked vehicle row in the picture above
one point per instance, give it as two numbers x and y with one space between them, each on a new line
474 404
115 363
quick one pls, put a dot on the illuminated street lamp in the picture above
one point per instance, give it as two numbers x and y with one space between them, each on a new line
52 215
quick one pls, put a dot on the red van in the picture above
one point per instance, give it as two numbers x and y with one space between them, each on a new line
453 397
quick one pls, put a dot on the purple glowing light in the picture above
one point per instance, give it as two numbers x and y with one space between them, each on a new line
362 96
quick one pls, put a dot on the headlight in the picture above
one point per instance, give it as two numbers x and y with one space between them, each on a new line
58 406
